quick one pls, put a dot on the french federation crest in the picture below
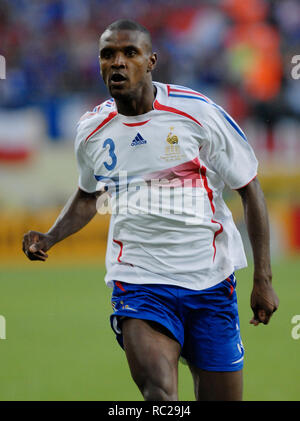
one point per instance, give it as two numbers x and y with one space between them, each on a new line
172 138
172 150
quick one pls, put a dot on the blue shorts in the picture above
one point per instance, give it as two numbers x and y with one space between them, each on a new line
205 322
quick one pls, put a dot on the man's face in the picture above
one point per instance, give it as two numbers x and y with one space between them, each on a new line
126 61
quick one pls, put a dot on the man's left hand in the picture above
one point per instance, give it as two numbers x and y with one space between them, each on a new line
264 302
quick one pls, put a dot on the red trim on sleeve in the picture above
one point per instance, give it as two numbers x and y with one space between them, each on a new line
161 107
105 121
246 184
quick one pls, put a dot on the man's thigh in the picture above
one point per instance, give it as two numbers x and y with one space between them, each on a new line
152 355
147 327
217 386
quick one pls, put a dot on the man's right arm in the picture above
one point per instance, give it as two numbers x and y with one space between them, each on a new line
79 210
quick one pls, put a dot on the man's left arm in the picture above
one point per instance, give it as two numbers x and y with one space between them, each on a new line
264 300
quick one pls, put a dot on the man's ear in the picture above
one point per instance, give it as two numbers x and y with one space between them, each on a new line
152 62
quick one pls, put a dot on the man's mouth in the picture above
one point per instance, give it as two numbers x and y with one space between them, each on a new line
117 79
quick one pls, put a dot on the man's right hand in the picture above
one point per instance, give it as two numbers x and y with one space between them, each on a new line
78 211
35 245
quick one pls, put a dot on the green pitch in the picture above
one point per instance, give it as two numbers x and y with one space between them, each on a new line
59 344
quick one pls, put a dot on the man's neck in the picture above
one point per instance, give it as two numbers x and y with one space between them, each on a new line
140 104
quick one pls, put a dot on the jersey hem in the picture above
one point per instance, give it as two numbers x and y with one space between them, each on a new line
86 190
129 279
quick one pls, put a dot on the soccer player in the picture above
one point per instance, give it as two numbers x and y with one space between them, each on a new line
171 263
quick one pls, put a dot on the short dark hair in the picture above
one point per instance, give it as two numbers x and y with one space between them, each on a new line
130 25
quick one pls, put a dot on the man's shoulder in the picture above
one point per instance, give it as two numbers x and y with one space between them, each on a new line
100 111
91 120
186 100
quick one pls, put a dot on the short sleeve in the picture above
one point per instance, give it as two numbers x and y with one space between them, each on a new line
86 179
230 153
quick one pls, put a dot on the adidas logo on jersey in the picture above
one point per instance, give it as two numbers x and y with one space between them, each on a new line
138 140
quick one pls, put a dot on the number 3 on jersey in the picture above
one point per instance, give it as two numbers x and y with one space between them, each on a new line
112 154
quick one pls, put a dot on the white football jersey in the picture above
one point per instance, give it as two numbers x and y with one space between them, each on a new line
164 172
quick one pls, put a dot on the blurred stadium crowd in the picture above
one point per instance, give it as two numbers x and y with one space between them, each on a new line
239 53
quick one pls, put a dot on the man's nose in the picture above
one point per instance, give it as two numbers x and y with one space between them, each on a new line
119 60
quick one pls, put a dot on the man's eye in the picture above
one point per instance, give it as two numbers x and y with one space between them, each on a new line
130 53
106 54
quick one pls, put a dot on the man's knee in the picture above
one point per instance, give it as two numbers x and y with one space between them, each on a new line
152 392
157 381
